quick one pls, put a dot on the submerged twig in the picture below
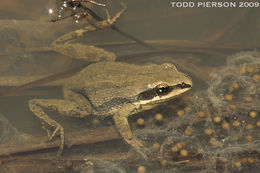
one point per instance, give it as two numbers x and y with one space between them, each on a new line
114 27
162 44
42 81
186 44
39 164
39 144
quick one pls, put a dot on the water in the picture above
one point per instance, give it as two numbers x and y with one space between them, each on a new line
212 128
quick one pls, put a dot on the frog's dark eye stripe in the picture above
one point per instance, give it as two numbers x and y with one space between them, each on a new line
159 90
147 95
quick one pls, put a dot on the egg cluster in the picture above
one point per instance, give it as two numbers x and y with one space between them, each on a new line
218 129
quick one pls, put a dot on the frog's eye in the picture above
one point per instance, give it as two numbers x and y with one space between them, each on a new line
162 89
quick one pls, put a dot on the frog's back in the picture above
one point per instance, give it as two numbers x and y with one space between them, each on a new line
108 85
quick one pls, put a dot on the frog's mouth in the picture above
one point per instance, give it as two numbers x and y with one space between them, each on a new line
155 95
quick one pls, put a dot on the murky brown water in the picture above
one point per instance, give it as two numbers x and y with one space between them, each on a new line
197 40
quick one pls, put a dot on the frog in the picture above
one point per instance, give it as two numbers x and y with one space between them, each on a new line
108 88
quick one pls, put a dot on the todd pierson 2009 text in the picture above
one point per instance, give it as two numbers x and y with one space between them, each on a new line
214 4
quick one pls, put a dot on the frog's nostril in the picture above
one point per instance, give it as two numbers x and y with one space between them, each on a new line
183 85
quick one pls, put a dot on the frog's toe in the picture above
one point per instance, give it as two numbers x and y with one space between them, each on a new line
139 144
144 153
135 143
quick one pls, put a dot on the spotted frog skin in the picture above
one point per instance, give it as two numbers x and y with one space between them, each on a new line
110 88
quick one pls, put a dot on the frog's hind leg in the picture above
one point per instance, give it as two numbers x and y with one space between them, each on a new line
86 52
80 32
64 107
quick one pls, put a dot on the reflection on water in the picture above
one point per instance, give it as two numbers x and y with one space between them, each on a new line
213 128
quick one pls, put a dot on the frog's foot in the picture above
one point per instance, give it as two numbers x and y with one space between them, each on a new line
59 131
97 26
110 21
64 107
139 148
124 130
96 3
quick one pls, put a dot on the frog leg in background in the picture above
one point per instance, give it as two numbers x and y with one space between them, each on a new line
74 105
85 52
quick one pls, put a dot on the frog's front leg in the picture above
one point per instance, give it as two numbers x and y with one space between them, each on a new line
64 107
122 125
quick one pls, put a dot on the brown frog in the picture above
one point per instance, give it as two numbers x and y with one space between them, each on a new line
110 88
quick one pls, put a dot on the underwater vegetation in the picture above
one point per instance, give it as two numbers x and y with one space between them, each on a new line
217 130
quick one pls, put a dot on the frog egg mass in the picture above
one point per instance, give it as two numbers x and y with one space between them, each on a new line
211 122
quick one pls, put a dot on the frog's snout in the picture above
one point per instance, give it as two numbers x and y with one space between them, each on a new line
188 81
